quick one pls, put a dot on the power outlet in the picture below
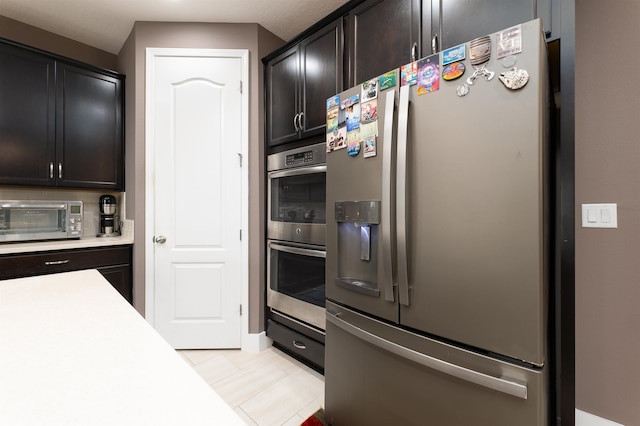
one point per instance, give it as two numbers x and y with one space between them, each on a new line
600 215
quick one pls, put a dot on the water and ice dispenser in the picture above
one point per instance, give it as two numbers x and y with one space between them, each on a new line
358 234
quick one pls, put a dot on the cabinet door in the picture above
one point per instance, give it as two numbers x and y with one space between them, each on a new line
120 278
462 21
27 114
321 71
382 36
89 132
282 77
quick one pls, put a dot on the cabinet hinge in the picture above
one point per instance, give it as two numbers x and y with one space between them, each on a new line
240 158
240 86
240 310
241 235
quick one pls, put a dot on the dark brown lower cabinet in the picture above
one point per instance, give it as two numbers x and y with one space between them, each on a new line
113 262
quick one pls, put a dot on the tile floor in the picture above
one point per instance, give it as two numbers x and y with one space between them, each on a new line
265 388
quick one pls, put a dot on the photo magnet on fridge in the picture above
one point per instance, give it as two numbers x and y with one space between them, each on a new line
353 143
369 90
387 80
353 117
369 143
454 54
332 118
369 111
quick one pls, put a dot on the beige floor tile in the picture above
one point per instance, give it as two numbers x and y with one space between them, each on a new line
312 407
215 369
294 421
201 355
246 418
244 384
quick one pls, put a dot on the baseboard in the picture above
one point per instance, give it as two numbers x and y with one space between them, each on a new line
585 419
255 342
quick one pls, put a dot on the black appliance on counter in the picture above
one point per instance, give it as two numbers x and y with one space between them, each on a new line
296 235
108 208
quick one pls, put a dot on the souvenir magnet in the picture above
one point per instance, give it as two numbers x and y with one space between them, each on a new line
332 118
353 117
340 140
387 80
428 75
453 71
480 50
369 111
462 90
369 146
369 90
333 102
509 61
514 78
369 129
454 54
509 42
409 74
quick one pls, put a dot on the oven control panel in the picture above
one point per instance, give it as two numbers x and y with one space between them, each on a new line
309 155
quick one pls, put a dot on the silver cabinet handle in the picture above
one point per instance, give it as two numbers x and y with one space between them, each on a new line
160 239
496 383
300 121
401 196
51 170
299 345
56 262
414 52
59 170
295 122
387 216
434 43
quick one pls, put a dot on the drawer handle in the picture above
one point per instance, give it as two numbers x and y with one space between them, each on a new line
56 262
299 345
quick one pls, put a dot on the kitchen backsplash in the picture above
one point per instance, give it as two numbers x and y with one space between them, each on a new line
89 199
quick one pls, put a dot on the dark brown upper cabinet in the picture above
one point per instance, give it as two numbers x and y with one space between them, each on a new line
298 82
383 35
60 122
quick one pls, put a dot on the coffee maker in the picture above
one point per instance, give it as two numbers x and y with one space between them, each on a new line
107 216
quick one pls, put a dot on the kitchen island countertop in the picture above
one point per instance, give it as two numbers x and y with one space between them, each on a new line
74 352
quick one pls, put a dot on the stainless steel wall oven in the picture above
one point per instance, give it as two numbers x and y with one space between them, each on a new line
296 236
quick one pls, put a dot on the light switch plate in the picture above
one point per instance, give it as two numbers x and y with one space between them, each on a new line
600 215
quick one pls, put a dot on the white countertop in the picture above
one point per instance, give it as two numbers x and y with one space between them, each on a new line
30 247
74 352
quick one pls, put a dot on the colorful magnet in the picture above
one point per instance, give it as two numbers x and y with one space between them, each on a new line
369 90
350 101
454 54
509 42
369 129
353 117
428 74
332 118
369 146
369 111
515 78
462 90
333 102
409 74
387 80
340 139
480 50
353 142
453 71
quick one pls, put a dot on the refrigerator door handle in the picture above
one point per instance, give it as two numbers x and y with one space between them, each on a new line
496 383
401 196
387 211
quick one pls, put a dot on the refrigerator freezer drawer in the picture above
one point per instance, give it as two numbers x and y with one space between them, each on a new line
380 374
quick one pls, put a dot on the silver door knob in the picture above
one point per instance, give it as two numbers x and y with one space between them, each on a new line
160 239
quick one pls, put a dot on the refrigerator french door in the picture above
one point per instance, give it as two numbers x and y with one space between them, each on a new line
453 289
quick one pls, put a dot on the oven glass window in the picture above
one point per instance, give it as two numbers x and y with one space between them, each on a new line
298 276
299 198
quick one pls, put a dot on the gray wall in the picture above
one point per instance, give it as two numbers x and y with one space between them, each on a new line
607 156
131 61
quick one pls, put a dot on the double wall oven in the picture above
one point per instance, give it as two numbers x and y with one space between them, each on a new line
296 235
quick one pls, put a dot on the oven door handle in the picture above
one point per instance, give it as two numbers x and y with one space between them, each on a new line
299 171
298 250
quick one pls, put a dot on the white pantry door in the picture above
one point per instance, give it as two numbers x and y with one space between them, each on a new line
197 131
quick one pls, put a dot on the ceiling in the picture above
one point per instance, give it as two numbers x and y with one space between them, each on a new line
106 24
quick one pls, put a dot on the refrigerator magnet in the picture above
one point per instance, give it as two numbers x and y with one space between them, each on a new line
340 139
333 102
509 42
453 71
353 117
369 146
369 90
387 80
515 78
331 139
369 129
454 54
332 118
409 74
350 101
353 143
428 75
369 111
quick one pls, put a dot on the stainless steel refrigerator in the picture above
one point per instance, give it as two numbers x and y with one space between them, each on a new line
437 240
